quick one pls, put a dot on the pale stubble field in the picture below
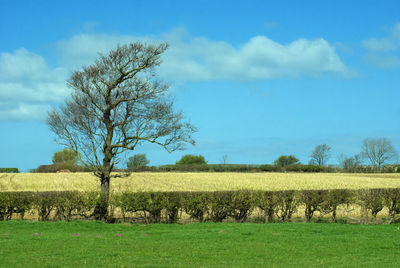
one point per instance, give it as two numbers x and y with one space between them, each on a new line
207 181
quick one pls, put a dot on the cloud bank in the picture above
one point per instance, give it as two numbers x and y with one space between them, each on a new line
28 86
199 59
383 52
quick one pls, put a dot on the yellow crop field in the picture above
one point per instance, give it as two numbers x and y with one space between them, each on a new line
197 181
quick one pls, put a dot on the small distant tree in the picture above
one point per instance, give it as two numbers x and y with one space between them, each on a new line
378 151
224 159
66 156
286 160
350 164
190 159
137 160
320 155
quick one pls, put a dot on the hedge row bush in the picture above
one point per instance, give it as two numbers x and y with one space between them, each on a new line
218 168
9 170
168 207
265 168
235 168
59 167
63 205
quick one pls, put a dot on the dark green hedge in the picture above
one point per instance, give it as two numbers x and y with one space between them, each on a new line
9 170
59 205
59 167
168 207
238 168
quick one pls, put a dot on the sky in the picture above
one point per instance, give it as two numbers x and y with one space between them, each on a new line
259 79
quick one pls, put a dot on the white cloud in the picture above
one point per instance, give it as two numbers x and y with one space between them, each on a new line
17 111
28 86
383 44
198 58
383 61
396 32
383 52
83 49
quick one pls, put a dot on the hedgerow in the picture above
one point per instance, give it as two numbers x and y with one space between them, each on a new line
218 206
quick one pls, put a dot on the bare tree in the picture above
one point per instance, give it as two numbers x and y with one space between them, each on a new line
118 103
320 155
378 151
350 164
224 159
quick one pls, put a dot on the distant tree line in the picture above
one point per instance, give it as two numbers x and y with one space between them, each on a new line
376 155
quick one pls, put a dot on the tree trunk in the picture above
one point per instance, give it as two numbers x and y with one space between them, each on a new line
105 189
101 209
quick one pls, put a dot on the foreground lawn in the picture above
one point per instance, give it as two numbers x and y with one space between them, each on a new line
94 244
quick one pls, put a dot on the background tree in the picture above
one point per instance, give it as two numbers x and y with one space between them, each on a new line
190 159
378 151
286 160
136 161
320 155
66 156
118 103
350 164
224 159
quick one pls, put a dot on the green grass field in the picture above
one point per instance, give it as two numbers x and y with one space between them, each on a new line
97 244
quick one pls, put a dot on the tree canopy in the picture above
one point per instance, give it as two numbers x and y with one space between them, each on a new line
66 156
320 155
137 160
116 104
190 159
286 160
378 151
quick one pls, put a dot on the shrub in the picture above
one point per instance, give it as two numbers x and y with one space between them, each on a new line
196 204
45 202
9 170
219 206
371 200
137 161
157 207
242 204
313 201
14 202
59 167
267 201
73 203
151 204
190 159
286 204
335 198
286 160
66 156
391 199
270 168
173 203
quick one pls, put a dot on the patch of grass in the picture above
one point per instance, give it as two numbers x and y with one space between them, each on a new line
96 244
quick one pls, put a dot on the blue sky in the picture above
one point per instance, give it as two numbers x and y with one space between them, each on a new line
258 78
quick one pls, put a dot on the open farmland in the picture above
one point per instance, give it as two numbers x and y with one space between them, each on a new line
197 181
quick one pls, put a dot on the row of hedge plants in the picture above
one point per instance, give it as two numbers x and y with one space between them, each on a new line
265 168
9 170
63 167
52 205
169 207
236 168
59 167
